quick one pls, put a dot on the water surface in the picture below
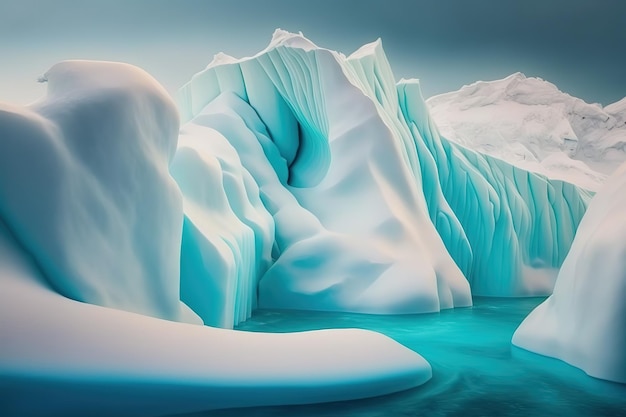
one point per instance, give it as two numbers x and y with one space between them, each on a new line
476 370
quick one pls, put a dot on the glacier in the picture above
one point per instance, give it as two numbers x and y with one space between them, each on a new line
530 123
300 178
340 134
584 321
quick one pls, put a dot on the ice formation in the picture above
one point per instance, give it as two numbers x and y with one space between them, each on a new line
302 178
584 321
85 187
530 123
90 234
373 210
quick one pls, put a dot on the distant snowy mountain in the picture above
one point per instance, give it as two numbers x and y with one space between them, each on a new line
528 122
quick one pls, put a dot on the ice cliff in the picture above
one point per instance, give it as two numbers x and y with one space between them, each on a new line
584 321
530 123
373 210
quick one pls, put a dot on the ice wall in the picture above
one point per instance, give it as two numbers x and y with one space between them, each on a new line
227 233
353 231
372 176
584 321
519 223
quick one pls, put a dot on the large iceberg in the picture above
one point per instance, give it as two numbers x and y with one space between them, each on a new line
530 123
90 235
373 210
584 321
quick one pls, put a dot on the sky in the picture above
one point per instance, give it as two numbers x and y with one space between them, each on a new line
576 44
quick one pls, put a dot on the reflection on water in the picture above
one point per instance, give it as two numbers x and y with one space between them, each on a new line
476 370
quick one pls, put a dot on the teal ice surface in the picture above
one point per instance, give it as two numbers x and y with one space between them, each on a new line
363 191
476 370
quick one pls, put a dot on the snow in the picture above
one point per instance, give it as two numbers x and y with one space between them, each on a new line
333 152
91 225
584 321
528 122
301 179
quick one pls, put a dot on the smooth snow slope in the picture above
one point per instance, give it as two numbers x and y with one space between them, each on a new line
91 225
530 123
85 187
584 321
377 190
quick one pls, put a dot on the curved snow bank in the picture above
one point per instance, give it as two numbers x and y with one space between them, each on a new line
89 212
85 187
584 321
114 362
528 122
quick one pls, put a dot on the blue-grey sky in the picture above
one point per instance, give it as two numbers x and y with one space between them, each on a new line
577 44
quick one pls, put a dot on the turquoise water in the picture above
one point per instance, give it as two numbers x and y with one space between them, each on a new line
476 370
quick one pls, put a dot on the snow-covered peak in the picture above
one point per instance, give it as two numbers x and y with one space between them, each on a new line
617 110
516 87
527 120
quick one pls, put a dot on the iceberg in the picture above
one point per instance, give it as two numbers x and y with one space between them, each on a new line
340 135
91 229
584 321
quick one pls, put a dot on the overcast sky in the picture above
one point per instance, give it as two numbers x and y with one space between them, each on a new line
576 44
